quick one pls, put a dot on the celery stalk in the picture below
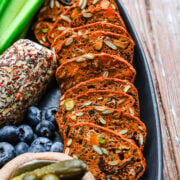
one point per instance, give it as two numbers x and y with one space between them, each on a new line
10 12
21 20
3 5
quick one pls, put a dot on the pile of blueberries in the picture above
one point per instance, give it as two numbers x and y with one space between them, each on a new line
38 133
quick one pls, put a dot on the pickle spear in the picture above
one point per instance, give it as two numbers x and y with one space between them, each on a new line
63 169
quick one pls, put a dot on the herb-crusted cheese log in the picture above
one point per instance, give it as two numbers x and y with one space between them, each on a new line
90 66
98 26
108 155
95 42
125 124
102 83
25 70
112 99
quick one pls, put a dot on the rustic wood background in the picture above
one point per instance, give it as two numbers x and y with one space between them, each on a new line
158 25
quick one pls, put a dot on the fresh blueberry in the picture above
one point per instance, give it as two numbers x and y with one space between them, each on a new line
7 152
33 116
9 134
45 129
49 114
57 147
45 143
25 133
21 148
57 137
36 148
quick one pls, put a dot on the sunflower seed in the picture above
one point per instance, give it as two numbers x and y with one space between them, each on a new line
97 149
131 111
69 142
84 4
100 98
67 151
38 25
106 74
99 108
87 103
65 18
62 85
42 42
110 44
81 59
141 141
69 42
105 151
89 56
52 35
113 6
57 4
44 39
123 131
62 28
126 88
74 156
80 3
51 4
95 1
107 112
102 121
43 9
61 103
87 15
113 163
79 114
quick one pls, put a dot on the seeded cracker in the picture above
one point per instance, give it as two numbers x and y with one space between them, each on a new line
81 6
102 83
97 42
111 99
91 66
108 155
98 26
125 124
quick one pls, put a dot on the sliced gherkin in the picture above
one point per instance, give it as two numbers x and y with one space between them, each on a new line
64 169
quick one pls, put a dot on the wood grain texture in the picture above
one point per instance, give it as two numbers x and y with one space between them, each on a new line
158 25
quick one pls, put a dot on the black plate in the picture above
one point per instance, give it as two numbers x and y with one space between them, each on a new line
149 109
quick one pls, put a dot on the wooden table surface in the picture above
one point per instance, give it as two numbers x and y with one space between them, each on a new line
158 25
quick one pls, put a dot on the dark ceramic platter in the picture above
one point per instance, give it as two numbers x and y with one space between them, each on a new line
148 104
